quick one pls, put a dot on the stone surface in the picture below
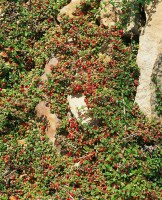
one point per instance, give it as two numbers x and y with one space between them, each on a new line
47 69
69 9
135 20
109 14
133 27
150 47
150 9
156 86
51 121
79 108
42 109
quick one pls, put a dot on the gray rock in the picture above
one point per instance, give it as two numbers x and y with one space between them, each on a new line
150 49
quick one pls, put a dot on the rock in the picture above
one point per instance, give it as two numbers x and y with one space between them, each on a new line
135 20
47 69
43 112
109 14
69 9
149 55
79 108
133 27
156 87
150 9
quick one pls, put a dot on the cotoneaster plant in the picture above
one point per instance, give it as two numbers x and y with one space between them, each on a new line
117 158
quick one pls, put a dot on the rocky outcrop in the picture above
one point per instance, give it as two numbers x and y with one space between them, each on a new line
149 62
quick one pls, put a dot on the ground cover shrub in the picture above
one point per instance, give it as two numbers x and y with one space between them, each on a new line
118 158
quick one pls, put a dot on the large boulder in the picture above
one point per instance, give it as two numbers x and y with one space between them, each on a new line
149 61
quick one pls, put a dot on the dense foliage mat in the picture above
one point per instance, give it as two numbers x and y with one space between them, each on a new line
118 157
